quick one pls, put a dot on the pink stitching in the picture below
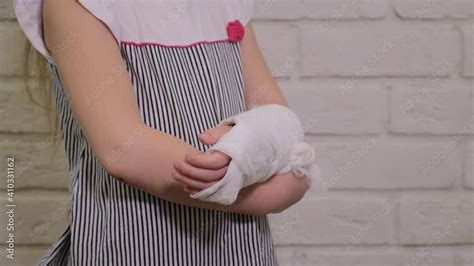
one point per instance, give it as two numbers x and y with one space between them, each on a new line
173 46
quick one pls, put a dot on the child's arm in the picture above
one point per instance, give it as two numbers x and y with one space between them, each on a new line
259 85
260 88
264 141
109 116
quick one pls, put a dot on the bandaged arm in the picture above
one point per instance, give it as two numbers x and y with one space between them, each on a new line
264 141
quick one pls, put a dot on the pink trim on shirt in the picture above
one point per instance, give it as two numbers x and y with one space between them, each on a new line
173 46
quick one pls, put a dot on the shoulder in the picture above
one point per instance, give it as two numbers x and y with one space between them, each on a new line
180 22
29 16
34 15
53 15
166 22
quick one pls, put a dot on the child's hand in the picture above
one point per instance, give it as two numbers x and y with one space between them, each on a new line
200 170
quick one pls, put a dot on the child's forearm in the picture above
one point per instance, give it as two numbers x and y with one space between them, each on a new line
146 162
276 194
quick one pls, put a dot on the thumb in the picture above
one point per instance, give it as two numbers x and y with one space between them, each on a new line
212 135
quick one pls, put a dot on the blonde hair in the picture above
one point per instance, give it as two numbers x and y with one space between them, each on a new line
36 77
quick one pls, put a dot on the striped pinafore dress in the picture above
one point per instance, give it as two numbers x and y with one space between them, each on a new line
187 76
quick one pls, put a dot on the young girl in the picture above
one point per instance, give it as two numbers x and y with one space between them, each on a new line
135 83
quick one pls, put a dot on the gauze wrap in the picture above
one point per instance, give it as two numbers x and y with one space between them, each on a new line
264 141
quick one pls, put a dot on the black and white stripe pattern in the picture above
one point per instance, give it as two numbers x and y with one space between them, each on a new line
181 91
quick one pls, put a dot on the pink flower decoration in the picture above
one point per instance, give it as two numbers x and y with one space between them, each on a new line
235 31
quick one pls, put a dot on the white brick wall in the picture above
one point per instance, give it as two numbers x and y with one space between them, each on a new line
384 48
385 91
468 37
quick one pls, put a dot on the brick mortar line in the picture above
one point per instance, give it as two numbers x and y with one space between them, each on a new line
388 247
365 19
32 137
334 193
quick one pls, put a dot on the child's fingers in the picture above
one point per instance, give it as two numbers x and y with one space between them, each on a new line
205 138
214 160
191 182
212 135
199 174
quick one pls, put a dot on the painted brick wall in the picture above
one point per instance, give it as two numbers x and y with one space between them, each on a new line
385 91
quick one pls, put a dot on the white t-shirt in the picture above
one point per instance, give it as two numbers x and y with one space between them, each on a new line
163 22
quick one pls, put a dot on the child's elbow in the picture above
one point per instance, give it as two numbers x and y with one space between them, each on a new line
117 165
111 164
117 152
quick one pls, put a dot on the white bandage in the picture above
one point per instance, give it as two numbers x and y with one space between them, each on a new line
264 141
